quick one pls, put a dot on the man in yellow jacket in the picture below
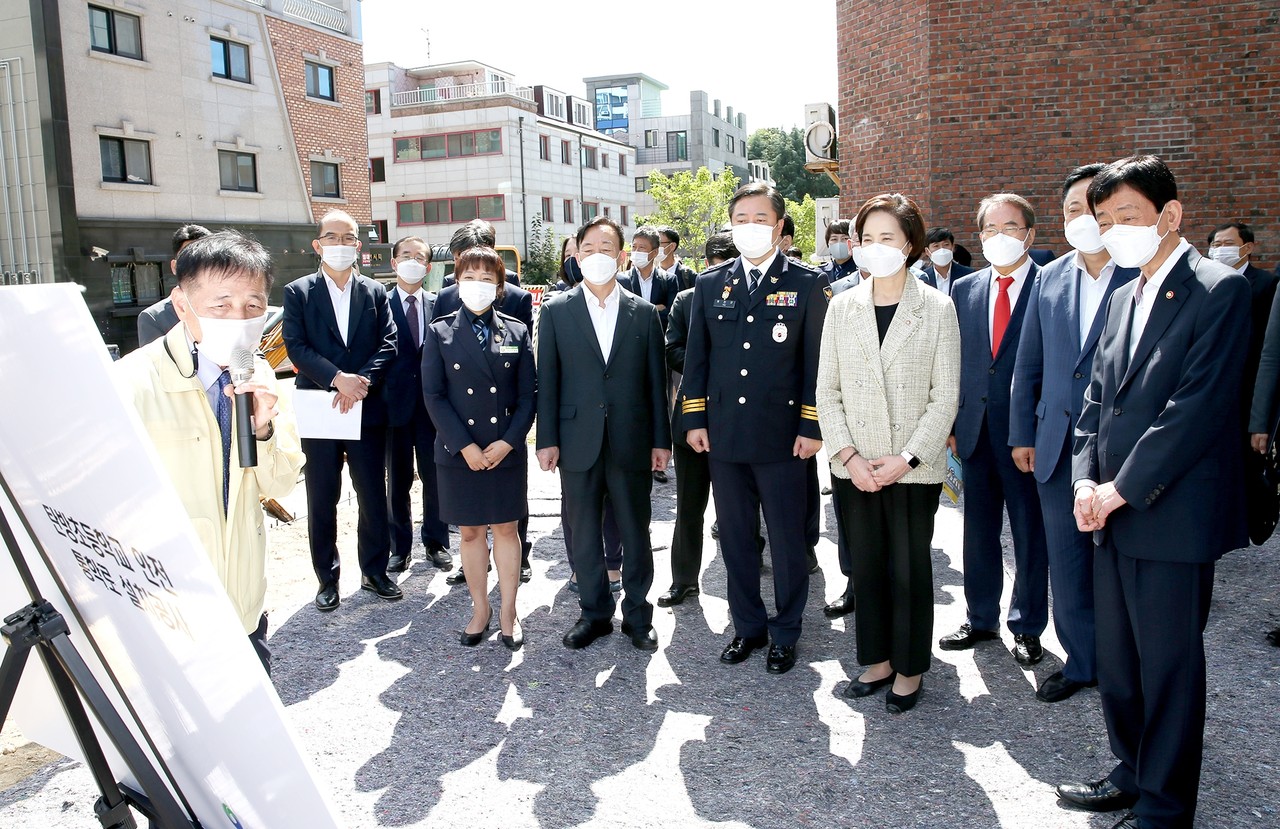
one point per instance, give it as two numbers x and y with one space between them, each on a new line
181 389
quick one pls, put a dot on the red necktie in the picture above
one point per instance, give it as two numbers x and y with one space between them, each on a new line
1003 312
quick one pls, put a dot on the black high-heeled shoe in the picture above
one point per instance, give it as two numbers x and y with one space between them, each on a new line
470 640
902 703
513 642
857 688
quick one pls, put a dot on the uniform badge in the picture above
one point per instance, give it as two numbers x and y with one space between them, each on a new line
827 291
1169 295
727 290
780 333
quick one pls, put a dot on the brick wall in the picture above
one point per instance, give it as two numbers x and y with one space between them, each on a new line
321 126
949 101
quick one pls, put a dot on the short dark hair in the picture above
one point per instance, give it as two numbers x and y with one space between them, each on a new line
1246 232
1145 173
939 234
840 226
1079 174
597 222
788 225
759 188
485 258
794 252
395 249
224 255
905 211
649 233
474 234
720 247
671 233
188 233
1028 212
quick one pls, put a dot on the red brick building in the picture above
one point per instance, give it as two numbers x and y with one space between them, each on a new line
949 101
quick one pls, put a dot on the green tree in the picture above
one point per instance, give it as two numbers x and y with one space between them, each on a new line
784 151
804 215
542 259
695 204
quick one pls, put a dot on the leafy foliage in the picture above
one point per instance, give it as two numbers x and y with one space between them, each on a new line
542 264
804 214
695 204
784 151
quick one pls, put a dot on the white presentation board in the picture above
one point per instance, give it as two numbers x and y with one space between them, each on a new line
121 562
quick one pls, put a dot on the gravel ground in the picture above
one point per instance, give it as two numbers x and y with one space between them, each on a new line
407 728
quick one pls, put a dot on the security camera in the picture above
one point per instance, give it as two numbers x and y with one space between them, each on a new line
96 253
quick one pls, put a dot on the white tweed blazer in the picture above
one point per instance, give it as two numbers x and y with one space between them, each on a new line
902 395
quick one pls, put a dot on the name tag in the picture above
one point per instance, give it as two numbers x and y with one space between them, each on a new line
509 349
724 303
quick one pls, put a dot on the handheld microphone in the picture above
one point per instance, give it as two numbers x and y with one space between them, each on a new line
242 372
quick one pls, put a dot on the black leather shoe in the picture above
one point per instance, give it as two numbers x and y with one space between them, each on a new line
677 594
781 659
327 599
526 573
1026 649
1098 796
826 490
398 564
615 585
1129 821
584 632
858 689
715 529
812 555
646 638
515 641
1274 637
660 477
741 647
842 606
440 557
902 703
456 578
966 637
383 586
470 640
1057 687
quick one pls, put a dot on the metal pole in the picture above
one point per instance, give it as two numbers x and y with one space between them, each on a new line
582 187
524 205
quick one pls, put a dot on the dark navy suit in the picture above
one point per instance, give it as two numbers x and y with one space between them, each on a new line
317 349
1049 380
930 276
410 435
834 270
516 302
1163 428
751 368
991 479
662 291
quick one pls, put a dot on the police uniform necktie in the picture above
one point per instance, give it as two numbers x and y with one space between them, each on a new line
481 330
753 280
1003 312
224 426
412 313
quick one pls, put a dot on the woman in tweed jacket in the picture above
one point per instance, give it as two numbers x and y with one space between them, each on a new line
888 386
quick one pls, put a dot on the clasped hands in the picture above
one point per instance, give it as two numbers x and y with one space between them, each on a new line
488 458
351 388
1094 504
875 475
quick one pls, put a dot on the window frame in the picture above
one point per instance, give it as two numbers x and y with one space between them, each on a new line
226 57
546 210
448 215
337 169
375 163
544 147
622 164
566 151
123 142
566 211
113 40
590 158
333 80
445 137
373 96
642 184
591 207
253 158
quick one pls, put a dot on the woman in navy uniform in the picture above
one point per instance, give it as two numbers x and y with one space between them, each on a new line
479 385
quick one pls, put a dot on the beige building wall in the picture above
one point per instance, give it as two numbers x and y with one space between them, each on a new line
26 253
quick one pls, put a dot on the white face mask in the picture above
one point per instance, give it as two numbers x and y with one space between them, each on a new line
859 261
1132 246
220 337
411 271
883 260
840 251
1002 250
1082 234
752 240
598 268
941 257
477 295
338 257
640 258
1228 255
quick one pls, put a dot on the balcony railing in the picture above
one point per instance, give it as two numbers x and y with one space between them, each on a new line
461 92
321 14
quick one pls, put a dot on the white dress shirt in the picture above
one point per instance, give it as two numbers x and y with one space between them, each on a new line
604 317
1092 292
1146 299
646 285
420 304
341 299
763 267
944 282
1015 290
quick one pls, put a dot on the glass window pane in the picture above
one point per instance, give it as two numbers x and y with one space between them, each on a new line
248 174
464 210
239 61
146 279
324 75
218 57
226 170
137 161
377 169
112 159
437 212
100 29
311 79
488 142
407 149
410 213
128 36
455 145
433 146
491 207
122 284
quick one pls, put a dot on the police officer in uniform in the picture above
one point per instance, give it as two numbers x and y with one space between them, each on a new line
751 368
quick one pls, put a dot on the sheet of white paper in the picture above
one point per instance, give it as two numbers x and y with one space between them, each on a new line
319 418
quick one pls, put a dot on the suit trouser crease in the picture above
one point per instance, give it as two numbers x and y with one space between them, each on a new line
366 463
414 441
1070 575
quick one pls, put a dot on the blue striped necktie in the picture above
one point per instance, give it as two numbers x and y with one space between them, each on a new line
481 330
224 426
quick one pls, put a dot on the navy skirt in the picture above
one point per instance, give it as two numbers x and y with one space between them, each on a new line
473 499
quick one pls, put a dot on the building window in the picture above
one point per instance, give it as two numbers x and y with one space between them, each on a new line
373 102
230 60
589 158
566 152
238 171
377 169
642 184
320 81
446 211
581 115
606 211
623 211
742 145
125 160
729 138
449 145
650 139
136 283
622 165
555 106
604 161
715 139
384 234
544 147
568 211
590 210
546 209
677 146
324 180
115 33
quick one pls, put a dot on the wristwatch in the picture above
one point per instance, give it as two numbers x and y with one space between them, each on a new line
271 430
912 460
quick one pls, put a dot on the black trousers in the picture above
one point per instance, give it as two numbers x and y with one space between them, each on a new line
414 440
693 491
1151 677
892 571
813 503
259 641
740 490
584 494
612 537
366 462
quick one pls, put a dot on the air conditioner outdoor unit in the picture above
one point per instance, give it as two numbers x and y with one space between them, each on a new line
819 133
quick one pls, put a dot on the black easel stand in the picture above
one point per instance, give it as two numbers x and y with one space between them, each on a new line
41 627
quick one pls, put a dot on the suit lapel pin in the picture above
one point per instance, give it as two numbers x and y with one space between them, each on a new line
773 280
1169 295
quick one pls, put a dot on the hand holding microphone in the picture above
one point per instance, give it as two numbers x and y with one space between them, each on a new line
245 397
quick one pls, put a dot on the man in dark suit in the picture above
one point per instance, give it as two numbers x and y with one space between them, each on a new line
1065 312
156 320
942 271
340 336
1157 481
1041 256
645 279
751 369
410 432
990 307
838 245
668 243
602 421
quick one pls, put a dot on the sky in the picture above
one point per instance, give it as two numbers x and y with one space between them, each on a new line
686 45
